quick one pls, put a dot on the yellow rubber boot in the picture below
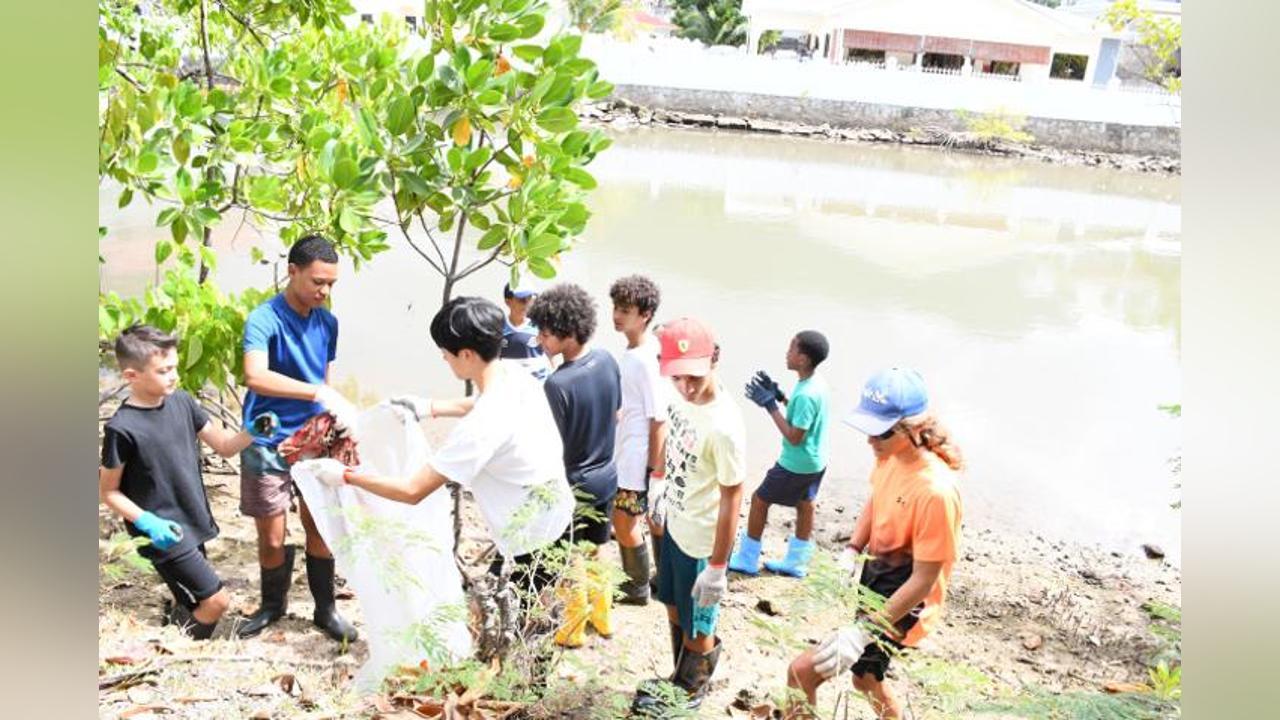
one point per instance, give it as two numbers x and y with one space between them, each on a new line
573 631
600 594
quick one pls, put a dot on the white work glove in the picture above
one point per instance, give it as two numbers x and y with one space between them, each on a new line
711 585
840 650
849 561
343 412
657 501
329 471
416 404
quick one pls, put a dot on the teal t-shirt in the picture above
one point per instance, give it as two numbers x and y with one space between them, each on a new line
807 409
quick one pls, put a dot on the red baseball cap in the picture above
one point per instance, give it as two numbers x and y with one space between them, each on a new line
687 348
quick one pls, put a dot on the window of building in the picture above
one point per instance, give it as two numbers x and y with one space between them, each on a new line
1000 67
366 18
1068 67
942 61
861 55
412 21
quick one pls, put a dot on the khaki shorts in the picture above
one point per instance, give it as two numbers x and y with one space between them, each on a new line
266 487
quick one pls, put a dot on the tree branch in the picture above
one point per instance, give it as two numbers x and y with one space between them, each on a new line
477 265
133 82
204 47
423 221
409 238
243 23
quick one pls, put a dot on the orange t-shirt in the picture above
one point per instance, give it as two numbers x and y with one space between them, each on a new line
915 510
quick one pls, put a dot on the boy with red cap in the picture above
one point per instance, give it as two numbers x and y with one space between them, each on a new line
705 460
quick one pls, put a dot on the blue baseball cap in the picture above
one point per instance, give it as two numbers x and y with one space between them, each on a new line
523 291
889 396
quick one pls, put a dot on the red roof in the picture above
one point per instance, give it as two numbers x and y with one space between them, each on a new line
643 18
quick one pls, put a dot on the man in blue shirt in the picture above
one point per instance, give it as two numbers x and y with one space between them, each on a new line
290 342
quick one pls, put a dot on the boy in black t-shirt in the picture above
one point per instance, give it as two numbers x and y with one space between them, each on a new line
150 473
585 393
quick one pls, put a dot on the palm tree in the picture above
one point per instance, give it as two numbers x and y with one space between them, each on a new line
712 22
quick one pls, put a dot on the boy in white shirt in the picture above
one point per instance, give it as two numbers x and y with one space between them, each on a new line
641 433
705 461
505 450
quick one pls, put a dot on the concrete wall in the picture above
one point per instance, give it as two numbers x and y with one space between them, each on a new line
1056 132
1069 113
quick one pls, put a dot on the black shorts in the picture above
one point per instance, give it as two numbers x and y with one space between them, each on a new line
885 580
189 576
783 487
592 529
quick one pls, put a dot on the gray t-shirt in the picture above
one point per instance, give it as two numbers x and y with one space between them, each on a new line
584 395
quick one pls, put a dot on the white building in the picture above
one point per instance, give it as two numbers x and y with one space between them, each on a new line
1006 37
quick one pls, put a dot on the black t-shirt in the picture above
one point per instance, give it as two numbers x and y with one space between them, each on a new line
161 458
585 395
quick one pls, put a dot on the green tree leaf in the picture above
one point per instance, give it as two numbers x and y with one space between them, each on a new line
400 115
164 249
558 119
581 178
345 173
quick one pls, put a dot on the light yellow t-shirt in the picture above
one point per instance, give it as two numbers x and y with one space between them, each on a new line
706 448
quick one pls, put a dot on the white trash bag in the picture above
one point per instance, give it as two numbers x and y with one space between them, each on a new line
397 558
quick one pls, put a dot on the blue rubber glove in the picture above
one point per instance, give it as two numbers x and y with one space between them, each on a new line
164 534
762 396
265 425
763 378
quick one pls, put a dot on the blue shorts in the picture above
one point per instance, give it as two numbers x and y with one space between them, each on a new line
783 487
676 575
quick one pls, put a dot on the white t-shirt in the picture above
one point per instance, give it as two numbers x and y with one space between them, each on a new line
507 452
644 397
706 448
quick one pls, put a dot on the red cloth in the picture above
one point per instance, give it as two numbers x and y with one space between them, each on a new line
318 438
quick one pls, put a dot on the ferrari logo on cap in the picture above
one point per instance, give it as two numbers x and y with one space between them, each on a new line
683 345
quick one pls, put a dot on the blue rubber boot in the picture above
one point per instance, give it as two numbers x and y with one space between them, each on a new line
796 563
746 559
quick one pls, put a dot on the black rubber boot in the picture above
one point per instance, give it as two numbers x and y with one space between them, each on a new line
201 631
326 617
179 615
693 674
635 563
656 542
275 596
677 643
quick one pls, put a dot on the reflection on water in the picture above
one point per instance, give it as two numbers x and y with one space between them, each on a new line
1041 303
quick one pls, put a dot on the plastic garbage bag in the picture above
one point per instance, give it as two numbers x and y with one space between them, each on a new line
397 558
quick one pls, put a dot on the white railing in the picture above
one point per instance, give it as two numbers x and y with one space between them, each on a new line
687 65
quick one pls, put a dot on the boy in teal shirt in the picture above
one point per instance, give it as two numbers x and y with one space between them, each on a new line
794 480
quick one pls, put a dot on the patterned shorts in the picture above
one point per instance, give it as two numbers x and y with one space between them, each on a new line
632 502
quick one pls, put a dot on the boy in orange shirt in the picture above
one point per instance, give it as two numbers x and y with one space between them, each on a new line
910 527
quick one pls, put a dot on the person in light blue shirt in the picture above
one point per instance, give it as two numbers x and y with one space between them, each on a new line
794 480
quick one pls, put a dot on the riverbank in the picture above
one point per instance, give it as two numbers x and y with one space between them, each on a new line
1029 620
621 113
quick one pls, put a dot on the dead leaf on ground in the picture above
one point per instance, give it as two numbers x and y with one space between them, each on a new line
343 594
139 709
275 637
763 711
287 683
261 715
1124 687
429 709
192 699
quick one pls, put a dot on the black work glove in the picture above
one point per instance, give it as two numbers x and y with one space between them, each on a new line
761 395
763 378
